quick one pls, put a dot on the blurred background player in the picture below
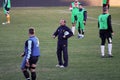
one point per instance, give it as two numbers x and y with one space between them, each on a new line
31 55
63 33
74 7
81 21
106 3
105 31
6 9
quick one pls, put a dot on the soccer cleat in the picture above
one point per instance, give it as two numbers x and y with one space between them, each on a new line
82 36
110 56
57 65
102 56
79 37
5 23
62 66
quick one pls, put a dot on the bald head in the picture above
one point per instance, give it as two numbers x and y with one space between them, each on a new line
62 22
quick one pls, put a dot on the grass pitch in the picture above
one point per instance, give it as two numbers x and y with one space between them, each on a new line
85 62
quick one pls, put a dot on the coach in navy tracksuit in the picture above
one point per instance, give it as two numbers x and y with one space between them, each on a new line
63 33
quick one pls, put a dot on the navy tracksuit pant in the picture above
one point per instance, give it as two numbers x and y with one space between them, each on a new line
62 52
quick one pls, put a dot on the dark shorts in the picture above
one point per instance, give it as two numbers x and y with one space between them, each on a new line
105 34
33 60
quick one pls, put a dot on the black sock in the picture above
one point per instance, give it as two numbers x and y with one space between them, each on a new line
26 74
33 75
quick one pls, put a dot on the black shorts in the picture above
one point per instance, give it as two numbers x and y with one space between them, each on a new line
105 34
33 60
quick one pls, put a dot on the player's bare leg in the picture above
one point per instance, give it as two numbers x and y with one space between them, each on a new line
73 28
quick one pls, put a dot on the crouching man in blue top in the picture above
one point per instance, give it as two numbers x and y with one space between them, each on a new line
63 33
30 55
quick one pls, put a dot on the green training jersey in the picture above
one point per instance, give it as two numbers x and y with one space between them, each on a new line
7 3
104 1
102 19
80 19
75 8
80 15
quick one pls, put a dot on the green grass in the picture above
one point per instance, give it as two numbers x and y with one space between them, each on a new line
84 54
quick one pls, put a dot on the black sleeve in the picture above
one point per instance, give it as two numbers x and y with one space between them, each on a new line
55 33
109 24
85 15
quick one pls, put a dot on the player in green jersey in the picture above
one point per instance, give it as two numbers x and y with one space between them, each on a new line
6 9
81 21
105 31
74 7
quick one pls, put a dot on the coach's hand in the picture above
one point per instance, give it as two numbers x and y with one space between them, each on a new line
64 36
53 36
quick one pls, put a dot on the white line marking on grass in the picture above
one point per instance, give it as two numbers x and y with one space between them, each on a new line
116 24
92 18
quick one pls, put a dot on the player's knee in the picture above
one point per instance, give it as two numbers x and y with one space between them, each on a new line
32 68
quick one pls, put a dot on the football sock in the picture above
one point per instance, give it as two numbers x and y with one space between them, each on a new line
110 49
8 18
102 50
26 74
33 75
73 29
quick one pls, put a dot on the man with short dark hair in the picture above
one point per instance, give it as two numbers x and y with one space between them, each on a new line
105 31
31 55
81 21
63 33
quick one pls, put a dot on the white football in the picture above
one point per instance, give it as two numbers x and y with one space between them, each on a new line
66 33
